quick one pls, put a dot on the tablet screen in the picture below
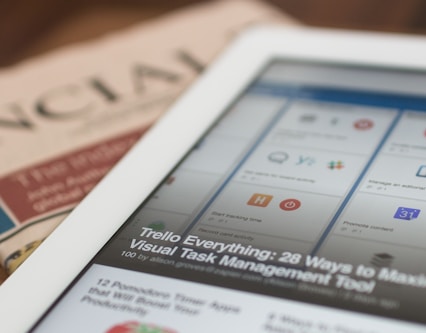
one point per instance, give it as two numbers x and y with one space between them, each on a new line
301 210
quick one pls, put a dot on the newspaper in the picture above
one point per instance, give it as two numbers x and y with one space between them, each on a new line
67 117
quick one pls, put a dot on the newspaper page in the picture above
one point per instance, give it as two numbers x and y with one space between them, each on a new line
67 117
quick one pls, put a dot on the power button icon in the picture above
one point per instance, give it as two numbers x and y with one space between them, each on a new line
290 204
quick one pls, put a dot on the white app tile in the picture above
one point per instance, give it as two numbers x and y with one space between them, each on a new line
393 175
408 260
157 220
267 211
384 219
409 136
310 170
221 232
249 116
183 192
333 126
215 155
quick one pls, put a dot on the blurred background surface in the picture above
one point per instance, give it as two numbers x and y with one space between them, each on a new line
33 27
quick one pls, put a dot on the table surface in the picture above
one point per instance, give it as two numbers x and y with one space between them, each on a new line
33 27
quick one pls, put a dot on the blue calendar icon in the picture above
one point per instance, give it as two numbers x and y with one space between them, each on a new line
404 213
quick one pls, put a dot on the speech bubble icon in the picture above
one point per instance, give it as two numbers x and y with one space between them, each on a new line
278 157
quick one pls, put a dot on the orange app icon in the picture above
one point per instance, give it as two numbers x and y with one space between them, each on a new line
260 200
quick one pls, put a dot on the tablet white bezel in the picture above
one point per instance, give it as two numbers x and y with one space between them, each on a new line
38 282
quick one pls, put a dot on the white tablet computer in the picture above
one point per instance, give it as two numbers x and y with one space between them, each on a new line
285 192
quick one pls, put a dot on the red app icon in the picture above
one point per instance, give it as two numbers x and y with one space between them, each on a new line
290 204
136 327
363 124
